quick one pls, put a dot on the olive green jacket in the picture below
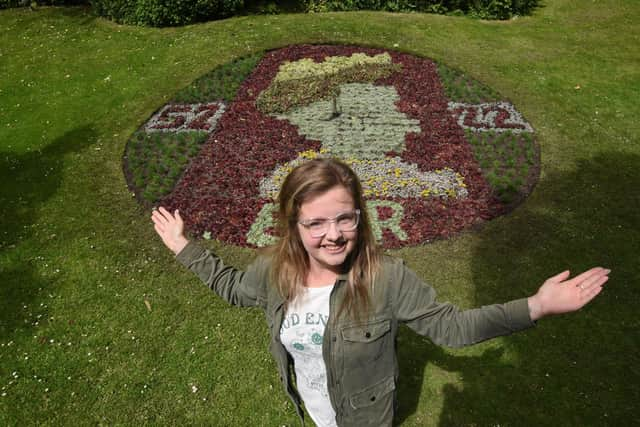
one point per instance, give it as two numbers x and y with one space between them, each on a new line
360 357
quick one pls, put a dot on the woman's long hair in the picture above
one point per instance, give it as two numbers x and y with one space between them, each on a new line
291 261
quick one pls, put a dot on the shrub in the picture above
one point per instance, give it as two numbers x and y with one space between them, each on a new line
6 4
162 13
492 9
116 10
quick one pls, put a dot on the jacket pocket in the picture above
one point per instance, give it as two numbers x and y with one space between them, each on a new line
366 333
371 407
367 342
375 393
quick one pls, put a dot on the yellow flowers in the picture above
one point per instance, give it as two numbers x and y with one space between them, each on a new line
311 154
388 177
307 67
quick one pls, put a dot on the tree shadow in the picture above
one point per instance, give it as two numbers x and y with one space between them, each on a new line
415 353
27 181
577 369
581 368
82 13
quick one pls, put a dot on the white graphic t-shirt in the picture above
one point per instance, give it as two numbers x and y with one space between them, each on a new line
301 334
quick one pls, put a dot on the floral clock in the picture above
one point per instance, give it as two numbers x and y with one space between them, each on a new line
436 152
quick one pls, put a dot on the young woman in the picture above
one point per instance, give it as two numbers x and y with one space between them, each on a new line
333 302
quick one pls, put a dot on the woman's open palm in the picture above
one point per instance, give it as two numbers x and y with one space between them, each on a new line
559 294
170 228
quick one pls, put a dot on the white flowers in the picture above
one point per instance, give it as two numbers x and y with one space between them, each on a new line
368 126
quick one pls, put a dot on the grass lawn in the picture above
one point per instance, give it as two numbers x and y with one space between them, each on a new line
99 326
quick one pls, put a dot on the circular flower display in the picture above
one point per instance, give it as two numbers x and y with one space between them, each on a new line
436 152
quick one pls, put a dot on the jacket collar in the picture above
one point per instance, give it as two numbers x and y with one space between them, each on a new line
342 277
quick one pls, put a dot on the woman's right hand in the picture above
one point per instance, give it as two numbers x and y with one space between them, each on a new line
170 228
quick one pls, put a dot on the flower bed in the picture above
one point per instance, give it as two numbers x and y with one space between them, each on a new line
409 143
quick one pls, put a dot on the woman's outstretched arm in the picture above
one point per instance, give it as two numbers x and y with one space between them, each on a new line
237 287
445 324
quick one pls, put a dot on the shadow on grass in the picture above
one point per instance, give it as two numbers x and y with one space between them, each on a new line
577 369
81 13
27 181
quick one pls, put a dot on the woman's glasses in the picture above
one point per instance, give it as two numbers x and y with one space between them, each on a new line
345 221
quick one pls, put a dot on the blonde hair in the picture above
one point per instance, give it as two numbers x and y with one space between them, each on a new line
291 261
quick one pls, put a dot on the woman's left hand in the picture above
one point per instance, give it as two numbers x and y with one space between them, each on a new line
559 294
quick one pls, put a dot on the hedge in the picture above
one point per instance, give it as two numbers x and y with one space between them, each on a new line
488 9
162 13
6 4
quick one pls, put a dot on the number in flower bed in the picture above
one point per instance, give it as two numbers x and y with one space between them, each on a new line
186 117
486 117
430 166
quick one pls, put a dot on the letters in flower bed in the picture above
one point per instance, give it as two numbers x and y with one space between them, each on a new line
387 116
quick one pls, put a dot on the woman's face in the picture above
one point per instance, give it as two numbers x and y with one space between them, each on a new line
330 251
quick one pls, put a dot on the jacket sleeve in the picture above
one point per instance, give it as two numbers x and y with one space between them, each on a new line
445 324
237 287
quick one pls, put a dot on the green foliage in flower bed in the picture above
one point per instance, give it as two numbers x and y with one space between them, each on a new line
221 83
508 162
155 161
320 81
461 88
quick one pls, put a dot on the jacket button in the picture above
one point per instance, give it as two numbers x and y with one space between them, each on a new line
368 335
373 398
